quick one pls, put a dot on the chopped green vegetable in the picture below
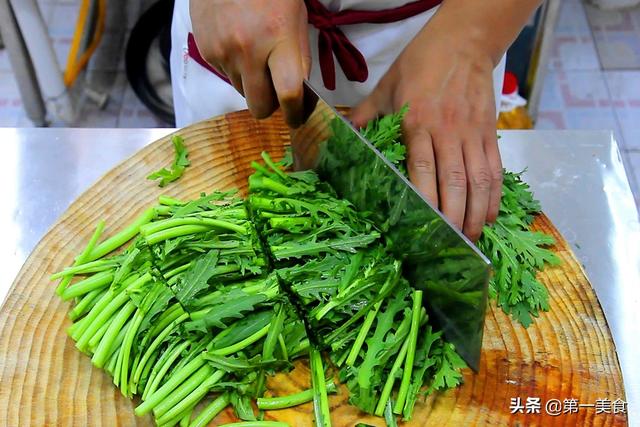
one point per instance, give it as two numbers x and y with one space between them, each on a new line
213 295
210 411
180 163
282 402
517 253
256 424
321 410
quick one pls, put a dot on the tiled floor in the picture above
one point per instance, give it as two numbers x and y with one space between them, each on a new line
593 80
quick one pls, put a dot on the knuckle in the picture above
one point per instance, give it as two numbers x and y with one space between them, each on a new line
239 40
456 179
275 23
423 166
215 53
412 119
290 94
497 177
419 115
481 179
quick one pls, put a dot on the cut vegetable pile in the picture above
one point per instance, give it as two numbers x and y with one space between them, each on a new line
211 296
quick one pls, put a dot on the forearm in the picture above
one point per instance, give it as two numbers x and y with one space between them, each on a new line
489 25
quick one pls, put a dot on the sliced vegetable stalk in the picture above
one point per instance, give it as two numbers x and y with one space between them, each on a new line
321 410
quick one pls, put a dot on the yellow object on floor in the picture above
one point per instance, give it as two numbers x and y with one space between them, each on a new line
518 118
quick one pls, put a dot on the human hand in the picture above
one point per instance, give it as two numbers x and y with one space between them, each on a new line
261 46
450 128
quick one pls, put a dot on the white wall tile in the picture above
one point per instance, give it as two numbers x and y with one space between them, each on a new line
10 103
63 20
5 64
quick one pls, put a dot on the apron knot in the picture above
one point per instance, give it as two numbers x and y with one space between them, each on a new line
332 41
322 21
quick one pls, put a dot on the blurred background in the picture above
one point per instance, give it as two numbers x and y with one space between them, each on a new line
104 63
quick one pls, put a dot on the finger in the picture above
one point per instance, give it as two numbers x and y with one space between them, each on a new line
478 188
235 78
305 50
421 163
285 64
377 103
364 112
492 153
452 177
259 93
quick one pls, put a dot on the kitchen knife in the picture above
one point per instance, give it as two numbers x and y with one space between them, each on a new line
436 257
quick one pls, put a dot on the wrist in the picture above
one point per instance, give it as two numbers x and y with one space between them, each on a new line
465 39
481 28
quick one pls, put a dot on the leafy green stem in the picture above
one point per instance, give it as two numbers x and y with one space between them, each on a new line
123 236
210 411
411 351
92 283
193 398
82 258
362 334
282 402
234 348
320 399
153 399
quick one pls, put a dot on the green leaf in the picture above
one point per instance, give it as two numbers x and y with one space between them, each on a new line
232 309
241 365
380 346
242 406
243 328
448 365
180 163
196 278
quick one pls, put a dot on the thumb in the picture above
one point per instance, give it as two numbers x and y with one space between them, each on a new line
364 112
374 105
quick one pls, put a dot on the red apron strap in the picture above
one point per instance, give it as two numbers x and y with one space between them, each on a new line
194 53
332 41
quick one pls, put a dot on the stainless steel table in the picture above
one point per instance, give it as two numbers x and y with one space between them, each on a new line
577 175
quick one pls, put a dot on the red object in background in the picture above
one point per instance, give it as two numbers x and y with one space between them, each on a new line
510 84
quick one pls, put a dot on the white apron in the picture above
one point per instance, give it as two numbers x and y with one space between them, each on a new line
199 94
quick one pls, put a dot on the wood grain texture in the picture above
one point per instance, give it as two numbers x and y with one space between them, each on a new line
567 353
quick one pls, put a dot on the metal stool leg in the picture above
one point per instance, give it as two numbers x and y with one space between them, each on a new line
57 98
22 66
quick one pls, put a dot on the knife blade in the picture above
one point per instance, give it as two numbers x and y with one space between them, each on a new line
437 258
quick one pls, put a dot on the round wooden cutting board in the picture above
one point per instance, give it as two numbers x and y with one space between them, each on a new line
568 353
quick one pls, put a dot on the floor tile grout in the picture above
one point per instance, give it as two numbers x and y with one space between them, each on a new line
591 33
